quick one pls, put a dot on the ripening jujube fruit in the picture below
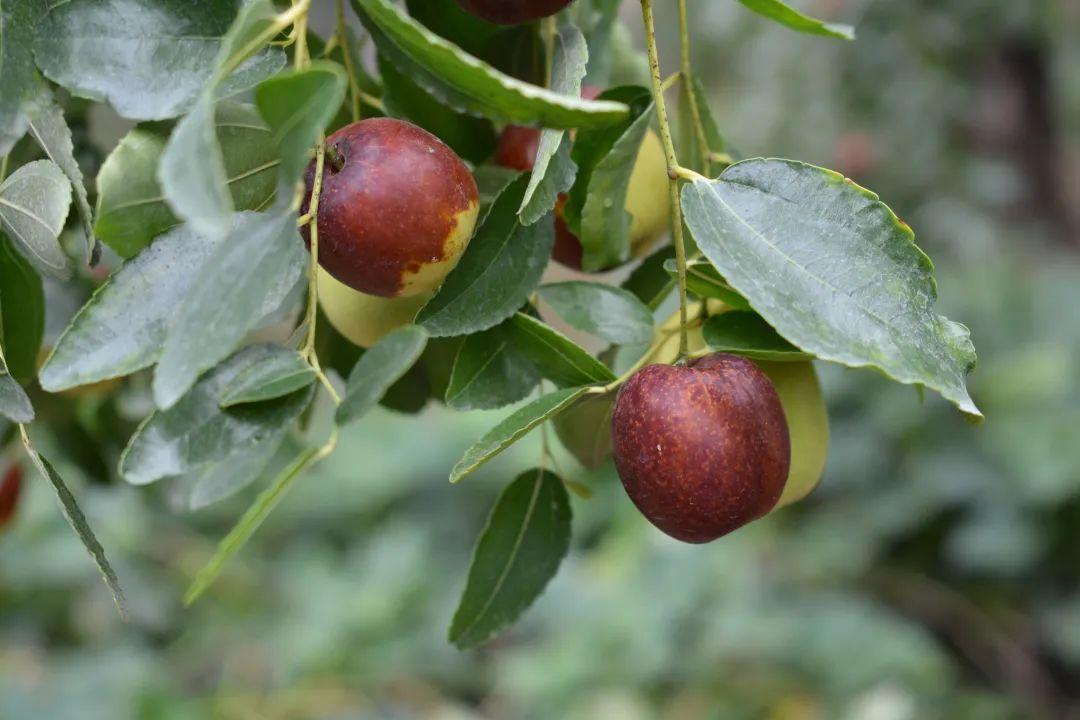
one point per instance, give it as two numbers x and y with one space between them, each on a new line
512 12
397 208
10 491
703 448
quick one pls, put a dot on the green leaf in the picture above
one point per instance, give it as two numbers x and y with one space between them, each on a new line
554 172
192 171
34 203
14 404
281 372
526 537
559 358
608 312
22 312
452 22
491 180
513 428
786 15
197 431
50 130
77 520
223 479
696 156
297 105
254 268
378 369
19 80
489 372
131 208
149 59
703 280
830 266
469 85
649 282
499 270
747 333
124 325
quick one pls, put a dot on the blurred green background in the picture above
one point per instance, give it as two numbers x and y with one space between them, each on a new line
934 574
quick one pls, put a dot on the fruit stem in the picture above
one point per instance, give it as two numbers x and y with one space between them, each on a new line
672 164
691 95
550 30
300 54
289 17
313 268
343 40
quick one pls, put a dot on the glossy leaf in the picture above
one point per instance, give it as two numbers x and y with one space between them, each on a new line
559 358
253 269
19 80
513 428
784 14
524 541
149 59
602 310
131 208
22 312
747 333
499 270
379 368
34 203
489 372
468 84
14 404
197 431
281 372
703 280
830 266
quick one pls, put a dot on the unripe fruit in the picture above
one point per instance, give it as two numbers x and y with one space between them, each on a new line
702 449
10 490
397 208
361 318
512 12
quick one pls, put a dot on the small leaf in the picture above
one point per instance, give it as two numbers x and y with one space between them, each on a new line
469 85
747 333
703 280
500 269
254 268
196 430
513 428
192 171
559 358
297 105
22 312
224 479
379 368
14 404
786 15
526 537
34 203
608 312
489 372
830 266
280 372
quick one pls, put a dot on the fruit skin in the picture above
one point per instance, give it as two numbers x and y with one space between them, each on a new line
702 449
395 218
10 490
361 318
512 12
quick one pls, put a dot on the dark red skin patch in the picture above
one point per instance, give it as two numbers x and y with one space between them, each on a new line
392 205
10 490
701 449
512 12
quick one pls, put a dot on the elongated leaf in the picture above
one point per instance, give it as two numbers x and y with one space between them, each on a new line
280 372
192 171
696 155
747 333
513 428
830 266
19 80
608 312
22 312
703 280
378 369
149 59
50 130
34 203
14 404
489 372
519 551
253 268
469 85
131 207
491 180
499 270
223 479
554 172
786 15
297 106
197 431
124 325
559 358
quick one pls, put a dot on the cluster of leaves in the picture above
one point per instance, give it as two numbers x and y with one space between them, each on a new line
200 201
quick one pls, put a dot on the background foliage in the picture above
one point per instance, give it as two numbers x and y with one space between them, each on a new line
933 574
